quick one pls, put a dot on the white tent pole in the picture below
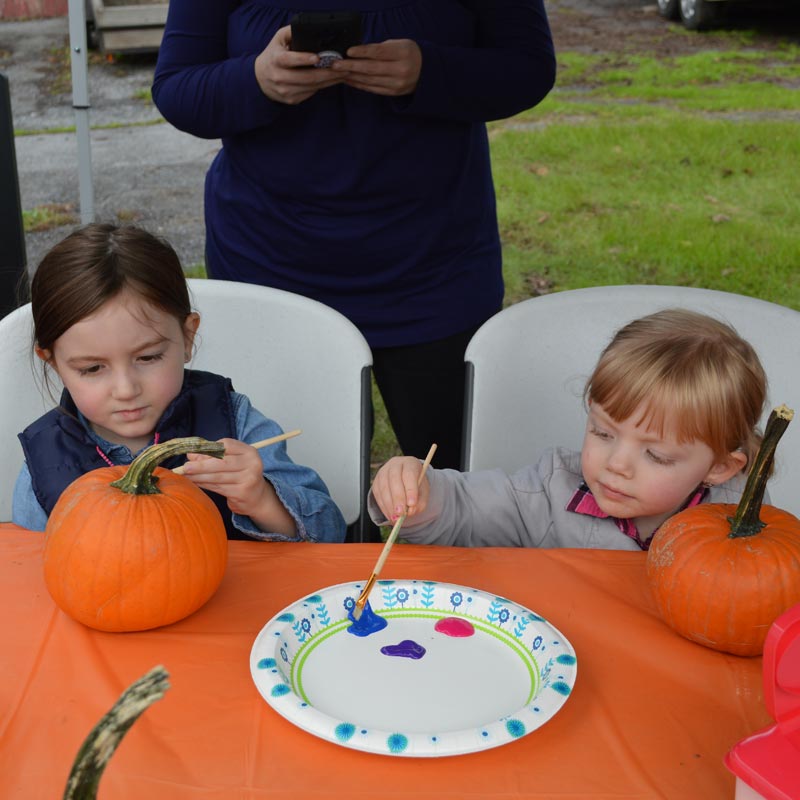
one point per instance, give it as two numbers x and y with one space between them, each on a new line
78 50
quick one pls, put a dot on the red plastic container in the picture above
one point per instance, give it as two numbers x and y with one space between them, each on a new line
767 764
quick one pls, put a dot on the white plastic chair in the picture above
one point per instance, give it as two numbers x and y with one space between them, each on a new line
300 362
527 366
23 398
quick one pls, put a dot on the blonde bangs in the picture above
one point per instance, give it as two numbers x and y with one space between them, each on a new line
688 376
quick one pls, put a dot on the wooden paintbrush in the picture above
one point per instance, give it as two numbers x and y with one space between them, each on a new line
362 598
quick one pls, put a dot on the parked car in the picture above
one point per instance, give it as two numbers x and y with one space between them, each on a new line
701 14
694 14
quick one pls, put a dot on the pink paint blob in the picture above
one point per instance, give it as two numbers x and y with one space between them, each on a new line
454 626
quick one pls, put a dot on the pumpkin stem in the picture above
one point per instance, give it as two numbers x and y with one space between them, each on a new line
102 741
746 521
139 478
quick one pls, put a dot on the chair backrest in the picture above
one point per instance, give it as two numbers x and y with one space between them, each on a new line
23 397
527 366
302 364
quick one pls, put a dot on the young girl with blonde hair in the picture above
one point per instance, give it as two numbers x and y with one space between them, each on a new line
673 404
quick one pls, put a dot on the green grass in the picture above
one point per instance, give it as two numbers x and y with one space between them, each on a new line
677 200
100 127
641 170
709 81
50 215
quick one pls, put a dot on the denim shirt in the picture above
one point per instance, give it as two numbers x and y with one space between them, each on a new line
299 488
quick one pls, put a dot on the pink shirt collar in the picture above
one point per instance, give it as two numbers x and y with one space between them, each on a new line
583 502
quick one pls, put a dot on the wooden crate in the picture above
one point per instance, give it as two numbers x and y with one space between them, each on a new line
133 26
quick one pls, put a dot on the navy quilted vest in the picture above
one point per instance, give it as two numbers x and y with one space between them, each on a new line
58 449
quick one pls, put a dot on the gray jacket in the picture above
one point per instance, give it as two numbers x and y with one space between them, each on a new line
527 509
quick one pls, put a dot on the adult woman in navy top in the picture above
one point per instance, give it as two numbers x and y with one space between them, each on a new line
366 185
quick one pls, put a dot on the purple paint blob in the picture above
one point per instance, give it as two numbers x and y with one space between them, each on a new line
455 626
406 649
369 622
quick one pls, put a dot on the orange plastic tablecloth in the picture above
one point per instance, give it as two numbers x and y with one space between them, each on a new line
651 715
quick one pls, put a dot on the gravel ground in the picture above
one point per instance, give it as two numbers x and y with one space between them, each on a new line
153 175
149 174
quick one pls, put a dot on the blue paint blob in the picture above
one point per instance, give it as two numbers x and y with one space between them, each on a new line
286 617
515 728
368 623
561 687
266 663
280 690
406 649
566 659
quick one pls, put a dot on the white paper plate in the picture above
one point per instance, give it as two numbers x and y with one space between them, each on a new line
464 694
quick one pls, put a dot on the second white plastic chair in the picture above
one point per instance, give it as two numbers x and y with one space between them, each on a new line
527 366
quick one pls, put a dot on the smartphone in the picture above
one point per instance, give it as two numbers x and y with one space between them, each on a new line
328 34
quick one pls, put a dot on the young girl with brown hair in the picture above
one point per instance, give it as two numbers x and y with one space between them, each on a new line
112 317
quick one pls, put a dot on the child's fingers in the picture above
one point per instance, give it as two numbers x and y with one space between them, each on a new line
410 478
424 493
389 488
398 483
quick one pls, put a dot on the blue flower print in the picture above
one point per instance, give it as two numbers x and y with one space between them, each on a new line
456 599
344 731
397 743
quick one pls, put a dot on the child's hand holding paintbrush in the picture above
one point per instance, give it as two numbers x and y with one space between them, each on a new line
397 477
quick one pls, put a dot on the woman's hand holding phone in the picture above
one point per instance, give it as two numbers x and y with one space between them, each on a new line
389 68
281 72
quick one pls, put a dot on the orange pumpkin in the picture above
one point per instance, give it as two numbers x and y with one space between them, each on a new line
721 574
132 548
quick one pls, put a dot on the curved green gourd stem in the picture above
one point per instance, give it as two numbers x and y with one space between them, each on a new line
103 739
139 478
746 520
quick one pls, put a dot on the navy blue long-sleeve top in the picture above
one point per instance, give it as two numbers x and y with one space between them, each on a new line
381 207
